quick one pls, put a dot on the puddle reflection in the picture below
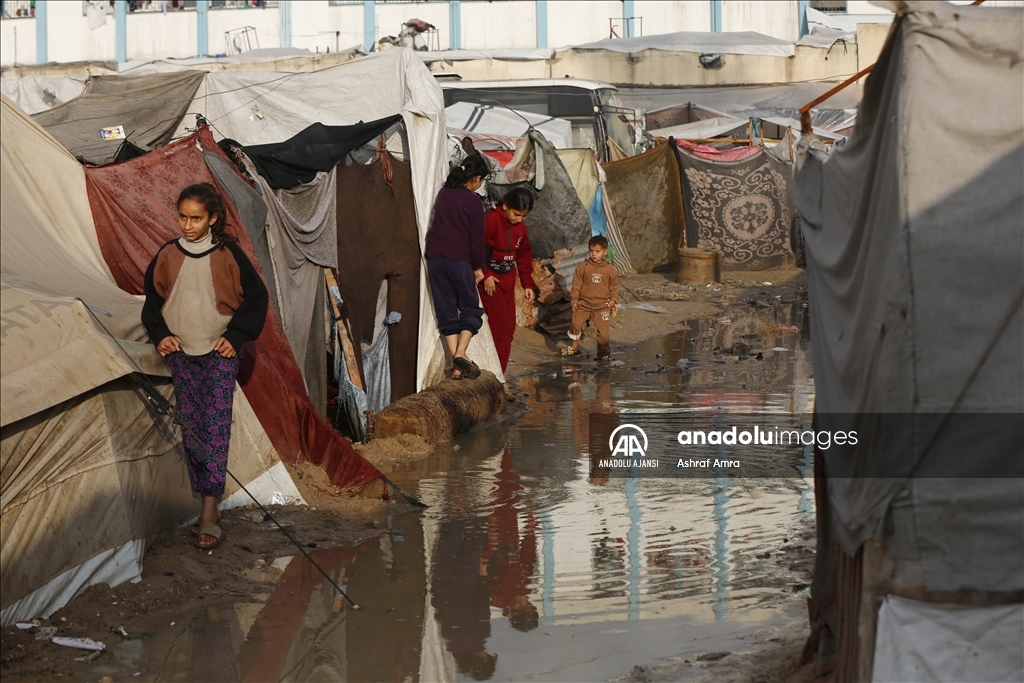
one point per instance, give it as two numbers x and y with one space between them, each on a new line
531 563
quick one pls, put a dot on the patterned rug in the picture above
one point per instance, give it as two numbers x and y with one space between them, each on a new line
741 208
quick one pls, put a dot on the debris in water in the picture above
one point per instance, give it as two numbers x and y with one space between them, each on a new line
26 625
79 643
724 321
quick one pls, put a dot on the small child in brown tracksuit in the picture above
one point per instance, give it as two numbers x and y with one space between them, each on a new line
595 291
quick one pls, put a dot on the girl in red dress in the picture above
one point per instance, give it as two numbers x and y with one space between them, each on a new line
508 252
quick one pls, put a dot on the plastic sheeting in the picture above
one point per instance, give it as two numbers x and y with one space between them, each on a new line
147 108
527 54
915 257
267 107
377 367
315 149
302 227
497 120
34 94
931 643
701 42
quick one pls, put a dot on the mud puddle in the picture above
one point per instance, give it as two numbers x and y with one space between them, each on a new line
528 564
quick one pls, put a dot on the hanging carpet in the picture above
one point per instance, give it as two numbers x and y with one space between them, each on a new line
644 196
740 208
133 206
314 149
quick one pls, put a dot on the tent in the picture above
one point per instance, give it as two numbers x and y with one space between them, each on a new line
260 107
559 219
142 109
87 475
133 219
34 94
915 259
495 119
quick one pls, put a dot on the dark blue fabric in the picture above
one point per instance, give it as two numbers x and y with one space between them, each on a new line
456 302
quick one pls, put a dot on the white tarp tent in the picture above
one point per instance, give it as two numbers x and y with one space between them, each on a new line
263 107
87 474
700 42
497 120
34 94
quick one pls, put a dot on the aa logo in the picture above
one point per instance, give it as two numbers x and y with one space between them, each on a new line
628 445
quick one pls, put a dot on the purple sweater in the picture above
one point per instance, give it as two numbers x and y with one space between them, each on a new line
457 228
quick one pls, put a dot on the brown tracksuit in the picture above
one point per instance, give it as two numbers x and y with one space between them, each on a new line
595 288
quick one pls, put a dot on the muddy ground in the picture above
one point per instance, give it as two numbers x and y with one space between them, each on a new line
178 577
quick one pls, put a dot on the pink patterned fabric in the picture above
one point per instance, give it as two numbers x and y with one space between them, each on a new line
714 154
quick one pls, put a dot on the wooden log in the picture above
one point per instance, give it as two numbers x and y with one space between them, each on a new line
355 373
440 412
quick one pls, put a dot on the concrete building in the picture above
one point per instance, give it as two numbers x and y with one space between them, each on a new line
42 31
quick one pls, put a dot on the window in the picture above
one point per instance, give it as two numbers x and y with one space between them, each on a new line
833 6
18 10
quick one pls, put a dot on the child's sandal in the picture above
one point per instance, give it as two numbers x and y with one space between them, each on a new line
569 351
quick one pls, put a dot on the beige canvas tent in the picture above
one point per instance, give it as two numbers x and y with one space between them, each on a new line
88 475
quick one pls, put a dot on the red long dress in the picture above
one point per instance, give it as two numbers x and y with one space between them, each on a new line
510 245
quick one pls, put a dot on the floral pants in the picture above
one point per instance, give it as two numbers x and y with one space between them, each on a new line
205 387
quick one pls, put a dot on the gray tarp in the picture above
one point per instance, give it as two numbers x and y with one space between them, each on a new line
148 108
558 220
302 229
915 258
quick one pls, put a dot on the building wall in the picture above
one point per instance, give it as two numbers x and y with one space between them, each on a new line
508 24
69 38
18 34
314 24
155 34
317 25
390 17
775 18
266 23
669 17
568 24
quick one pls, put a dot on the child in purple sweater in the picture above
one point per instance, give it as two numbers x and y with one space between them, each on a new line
455 259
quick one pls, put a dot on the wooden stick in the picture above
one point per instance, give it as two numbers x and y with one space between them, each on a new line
805 111
348 348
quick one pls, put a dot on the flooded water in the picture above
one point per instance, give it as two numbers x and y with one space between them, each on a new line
529 564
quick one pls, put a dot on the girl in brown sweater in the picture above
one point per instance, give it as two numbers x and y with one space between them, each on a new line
204 300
